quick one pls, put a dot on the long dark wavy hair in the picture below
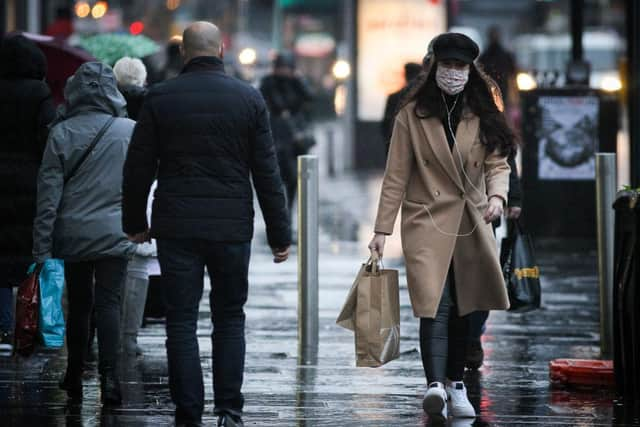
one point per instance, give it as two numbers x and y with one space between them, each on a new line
481 96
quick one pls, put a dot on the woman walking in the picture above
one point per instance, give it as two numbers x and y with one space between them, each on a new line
448 169
79 218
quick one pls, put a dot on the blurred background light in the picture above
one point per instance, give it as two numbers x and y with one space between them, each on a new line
99 9
136 28
526 82
248 56
341 69
82 9
611 84
173 4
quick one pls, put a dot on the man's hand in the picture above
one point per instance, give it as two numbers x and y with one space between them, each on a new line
143 237
495 209
280 254
514 212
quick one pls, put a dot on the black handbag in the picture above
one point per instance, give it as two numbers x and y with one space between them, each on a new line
520 270
302 133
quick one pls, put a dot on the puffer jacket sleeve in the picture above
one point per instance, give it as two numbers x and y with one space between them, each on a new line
140 169
50 190
267 181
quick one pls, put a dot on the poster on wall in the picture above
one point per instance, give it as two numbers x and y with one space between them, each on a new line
390 34
568 137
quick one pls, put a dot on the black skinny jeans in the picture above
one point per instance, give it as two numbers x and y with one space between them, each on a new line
108 274
443 340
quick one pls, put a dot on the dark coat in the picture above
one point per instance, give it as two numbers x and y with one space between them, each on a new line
500 65
134 95
285 98
26 107
515 189
205 135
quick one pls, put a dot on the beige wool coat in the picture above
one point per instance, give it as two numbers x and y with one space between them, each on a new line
423 175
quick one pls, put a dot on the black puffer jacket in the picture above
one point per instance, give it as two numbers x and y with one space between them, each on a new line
204 134
26 108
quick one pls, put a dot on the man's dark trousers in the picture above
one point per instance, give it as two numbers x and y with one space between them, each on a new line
182 262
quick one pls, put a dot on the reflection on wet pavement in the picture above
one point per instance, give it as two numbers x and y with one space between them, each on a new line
512 389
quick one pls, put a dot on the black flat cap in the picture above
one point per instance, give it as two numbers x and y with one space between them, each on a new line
455 46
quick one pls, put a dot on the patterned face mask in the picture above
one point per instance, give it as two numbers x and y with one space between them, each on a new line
451 80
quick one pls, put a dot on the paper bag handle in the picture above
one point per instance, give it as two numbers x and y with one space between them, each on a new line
374 262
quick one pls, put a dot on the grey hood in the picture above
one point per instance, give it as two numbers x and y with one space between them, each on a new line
92 88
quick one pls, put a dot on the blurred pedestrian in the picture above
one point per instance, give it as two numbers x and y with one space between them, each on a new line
79 218
174 64
27 108
478 319
448 169
286 96
206 135
500 65
62 27
131 75
411 71
135 291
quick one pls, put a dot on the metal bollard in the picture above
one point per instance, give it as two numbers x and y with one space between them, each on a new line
605 195
308 321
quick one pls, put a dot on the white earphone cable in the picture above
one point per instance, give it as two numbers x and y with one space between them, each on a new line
464 172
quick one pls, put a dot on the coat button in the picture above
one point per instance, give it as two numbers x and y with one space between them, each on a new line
462 195
425 162
437 193
476 164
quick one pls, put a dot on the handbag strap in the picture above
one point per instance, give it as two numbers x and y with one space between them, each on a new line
88 151
515 226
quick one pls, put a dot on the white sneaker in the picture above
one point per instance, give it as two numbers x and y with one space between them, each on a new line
458 400
435 403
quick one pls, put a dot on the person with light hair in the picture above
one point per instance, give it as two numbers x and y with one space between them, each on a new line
132 78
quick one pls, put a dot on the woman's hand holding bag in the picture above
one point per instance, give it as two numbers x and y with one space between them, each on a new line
376 246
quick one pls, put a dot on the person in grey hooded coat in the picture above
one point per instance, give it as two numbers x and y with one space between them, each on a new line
79 217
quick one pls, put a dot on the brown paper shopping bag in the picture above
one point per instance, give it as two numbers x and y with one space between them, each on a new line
372 311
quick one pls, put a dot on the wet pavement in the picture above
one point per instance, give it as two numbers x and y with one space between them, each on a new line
511 389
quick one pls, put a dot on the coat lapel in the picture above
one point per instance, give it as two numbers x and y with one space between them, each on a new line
466 136
438 141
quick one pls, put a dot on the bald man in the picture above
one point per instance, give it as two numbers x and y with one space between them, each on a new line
205 136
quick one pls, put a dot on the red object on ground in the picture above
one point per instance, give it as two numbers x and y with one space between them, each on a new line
582 372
